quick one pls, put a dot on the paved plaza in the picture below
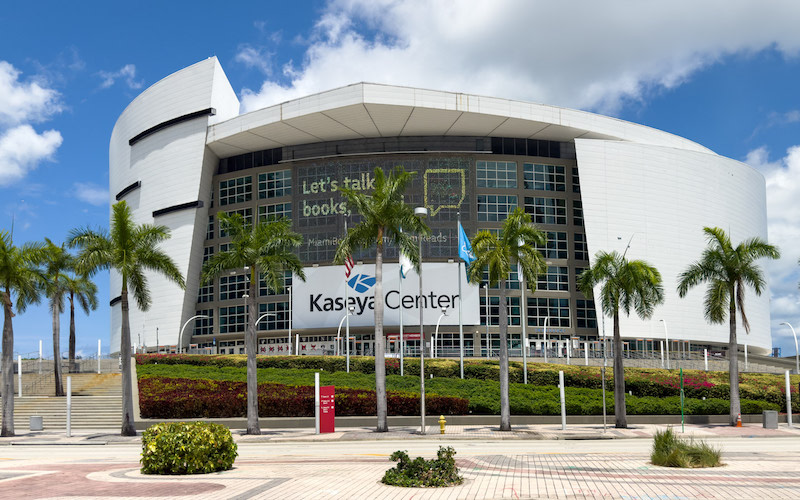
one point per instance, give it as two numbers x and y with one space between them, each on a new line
530 462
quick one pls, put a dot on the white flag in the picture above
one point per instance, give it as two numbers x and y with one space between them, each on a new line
405 265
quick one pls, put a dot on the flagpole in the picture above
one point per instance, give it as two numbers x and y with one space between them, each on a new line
460 322
400 272
524 331
346 312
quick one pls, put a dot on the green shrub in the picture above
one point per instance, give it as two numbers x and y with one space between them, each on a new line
671 451
187 448
441 471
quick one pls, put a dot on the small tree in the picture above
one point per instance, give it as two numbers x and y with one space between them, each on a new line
129 249
57 263
20 276
517 242
384 218
728 271
624 285
267 249
81 289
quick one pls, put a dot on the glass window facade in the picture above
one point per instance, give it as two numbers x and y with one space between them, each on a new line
274 211
247 216
546 210
514 312
577 212
544 177
581 249
284 281
232 319
576 183
556 245
585 315
232 287
540 308
278 318
204 326
275 184
238 190
210 228
555 279
495 207
496 174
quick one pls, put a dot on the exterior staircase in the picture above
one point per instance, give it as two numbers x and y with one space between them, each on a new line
96 404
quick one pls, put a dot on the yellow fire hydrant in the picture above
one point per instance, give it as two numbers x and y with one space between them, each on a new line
442 421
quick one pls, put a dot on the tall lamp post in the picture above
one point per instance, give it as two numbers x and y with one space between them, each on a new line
421 213
488 339
339 331
796 352
436 333
666 340
289 292
180 335
259 321
544 334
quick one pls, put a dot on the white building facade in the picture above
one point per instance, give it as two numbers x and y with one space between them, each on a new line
181 153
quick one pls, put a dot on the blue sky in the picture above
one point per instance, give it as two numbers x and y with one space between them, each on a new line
720 73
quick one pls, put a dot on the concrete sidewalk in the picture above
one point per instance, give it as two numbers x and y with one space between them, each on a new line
452 432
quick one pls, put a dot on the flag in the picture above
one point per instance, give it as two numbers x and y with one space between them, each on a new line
405 265
348 266
464 248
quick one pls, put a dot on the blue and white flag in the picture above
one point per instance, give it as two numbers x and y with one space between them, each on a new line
464 247
405 265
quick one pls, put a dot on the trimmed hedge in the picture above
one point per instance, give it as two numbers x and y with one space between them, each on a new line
187 448
164 397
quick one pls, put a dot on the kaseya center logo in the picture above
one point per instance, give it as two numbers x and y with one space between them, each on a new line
361 282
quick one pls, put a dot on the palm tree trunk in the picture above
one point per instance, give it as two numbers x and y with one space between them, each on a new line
620 412
57 348
505 405
733 370
72 367
380 359
252 368
128 427
8 366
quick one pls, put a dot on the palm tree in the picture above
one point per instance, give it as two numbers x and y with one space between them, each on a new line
83 290
624 285
728 271
516 242
130 249
264 249
385 218
57 263
20 276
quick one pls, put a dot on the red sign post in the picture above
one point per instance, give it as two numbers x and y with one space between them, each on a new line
327 410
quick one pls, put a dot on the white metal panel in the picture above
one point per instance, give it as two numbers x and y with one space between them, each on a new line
660 199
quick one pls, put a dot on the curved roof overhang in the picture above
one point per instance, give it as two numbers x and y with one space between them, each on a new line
365 110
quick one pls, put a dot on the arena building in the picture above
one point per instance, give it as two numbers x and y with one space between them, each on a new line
181 153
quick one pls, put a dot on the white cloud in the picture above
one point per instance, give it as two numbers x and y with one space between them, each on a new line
91 193
126 73
584 54
783 214
256 57
22 102
21 150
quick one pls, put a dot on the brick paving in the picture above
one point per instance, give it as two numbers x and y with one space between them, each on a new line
512 475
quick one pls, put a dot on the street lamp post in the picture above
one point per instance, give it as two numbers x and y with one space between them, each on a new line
796 351
255 327
180 335
421 213
488 339
666 340
289 291
339 331
436 333
544 331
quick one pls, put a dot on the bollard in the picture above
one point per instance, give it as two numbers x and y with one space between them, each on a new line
69 406
563 404
442 422
788 400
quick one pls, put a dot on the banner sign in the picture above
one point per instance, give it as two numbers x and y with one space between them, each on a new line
327 409
319 302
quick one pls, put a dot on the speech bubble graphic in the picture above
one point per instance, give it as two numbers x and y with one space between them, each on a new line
444 188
